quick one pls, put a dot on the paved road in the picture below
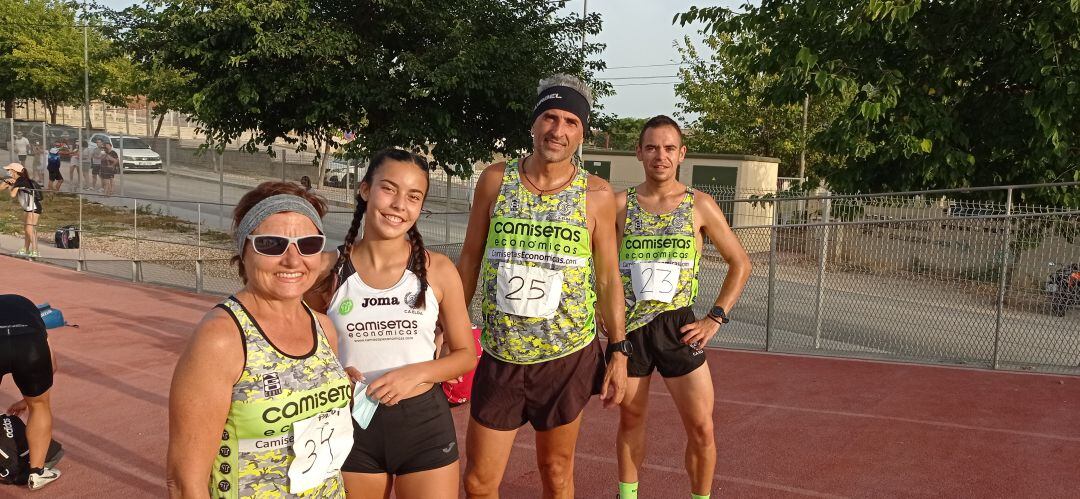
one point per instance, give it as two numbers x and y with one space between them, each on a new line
195 192
865 315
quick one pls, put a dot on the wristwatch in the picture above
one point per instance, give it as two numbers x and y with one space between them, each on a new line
624 347
717 314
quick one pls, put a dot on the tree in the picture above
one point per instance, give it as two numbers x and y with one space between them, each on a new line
613 132
455 78
943 94
730 118
43 56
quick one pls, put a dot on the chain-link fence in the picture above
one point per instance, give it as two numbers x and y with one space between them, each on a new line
928 276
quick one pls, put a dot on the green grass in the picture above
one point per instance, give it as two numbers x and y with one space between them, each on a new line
60 209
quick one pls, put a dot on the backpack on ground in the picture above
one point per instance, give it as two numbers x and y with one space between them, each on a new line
15 452
67 237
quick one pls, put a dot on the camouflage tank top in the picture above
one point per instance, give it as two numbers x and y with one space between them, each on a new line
274 391
537 276
658 260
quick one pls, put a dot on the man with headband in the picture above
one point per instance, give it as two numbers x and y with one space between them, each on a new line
541 241
259 395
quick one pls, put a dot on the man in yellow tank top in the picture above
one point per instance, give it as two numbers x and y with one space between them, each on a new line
662 223
541 240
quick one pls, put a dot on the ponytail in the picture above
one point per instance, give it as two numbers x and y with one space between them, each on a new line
418 260
330 283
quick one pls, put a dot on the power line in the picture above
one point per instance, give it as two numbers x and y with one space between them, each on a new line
642 84
644 66
639 77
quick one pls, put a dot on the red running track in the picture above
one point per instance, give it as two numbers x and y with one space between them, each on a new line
787 426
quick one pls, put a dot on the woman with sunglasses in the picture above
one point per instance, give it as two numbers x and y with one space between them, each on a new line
259 401
385 293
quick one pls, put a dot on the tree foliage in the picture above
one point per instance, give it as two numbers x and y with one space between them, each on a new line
613 132
737 119
943 94
456 78
42 56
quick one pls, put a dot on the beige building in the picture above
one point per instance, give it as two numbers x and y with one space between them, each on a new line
725 176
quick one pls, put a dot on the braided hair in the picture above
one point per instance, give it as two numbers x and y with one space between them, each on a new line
418 257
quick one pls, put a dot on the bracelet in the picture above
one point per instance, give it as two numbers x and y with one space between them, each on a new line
714 319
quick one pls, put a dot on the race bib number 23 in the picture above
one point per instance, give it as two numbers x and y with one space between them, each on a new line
654 281
320 444
528 291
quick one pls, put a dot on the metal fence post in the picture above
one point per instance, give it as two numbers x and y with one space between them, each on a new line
446 216
770 312
168 176
121 164
198 250
1005 243
221 188
136 266
822 260
81 252
283 152
11 139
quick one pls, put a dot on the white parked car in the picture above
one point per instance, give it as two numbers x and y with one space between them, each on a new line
138 156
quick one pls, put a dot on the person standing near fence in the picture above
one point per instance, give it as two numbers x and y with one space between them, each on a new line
539 228
22 147
108 168
95 164
54 158
663 224
30 197
70 153
386 294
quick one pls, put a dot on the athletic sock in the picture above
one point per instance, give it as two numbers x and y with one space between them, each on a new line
37 471
627 490
696 496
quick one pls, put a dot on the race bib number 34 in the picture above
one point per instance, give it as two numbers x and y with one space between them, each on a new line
654 281
528 291
321 443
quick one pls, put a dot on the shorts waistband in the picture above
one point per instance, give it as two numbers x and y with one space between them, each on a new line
410 402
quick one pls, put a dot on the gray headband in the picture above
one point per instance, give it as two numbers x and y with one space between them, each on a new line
280 203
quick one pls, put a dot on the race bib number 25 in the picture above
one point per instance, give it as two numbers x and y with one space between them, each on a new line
528 291
320 444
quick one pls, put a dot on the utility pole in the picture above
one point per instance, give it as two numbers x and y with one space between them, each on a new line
802 154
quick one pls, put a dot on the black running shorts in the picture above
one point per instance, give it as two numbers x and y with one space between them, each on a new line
659 345
416 434
24 346
546 394
54 174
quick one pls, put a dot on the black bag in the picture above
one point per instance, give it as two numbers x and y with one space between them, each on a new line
15 452
67 237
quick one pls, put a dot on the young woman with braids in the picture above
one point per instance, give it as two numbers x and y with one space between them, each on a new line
385 292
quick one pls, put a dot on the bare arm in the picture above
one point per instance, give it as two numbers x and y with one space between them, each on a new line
715 225
600 205
199 403
457 330
472 250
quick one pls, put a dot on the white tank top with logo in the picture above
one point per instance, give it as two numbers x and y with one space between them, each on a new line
378 329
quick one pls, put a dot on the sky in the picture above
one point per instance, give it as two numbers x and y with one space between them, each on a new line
637 33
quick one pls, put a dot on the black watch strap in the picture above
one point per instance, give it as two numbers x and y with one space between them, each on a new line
624 347
719 315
